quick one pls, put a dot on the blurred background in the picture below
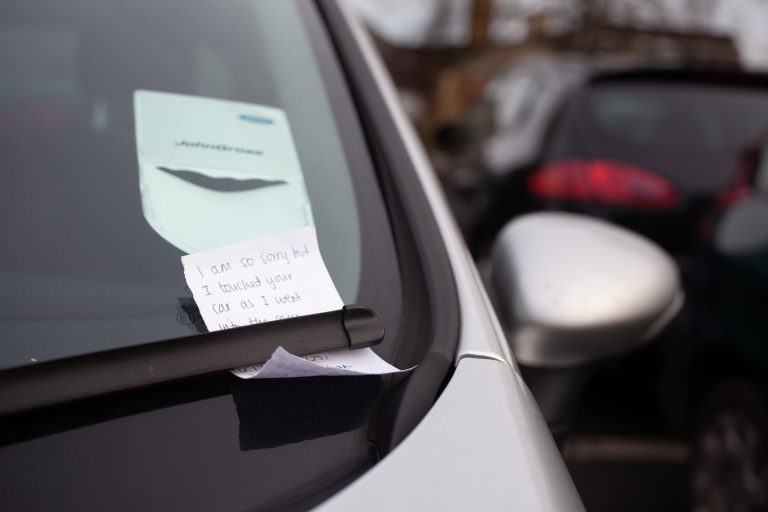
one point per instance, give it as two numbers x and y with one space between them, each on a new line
651 114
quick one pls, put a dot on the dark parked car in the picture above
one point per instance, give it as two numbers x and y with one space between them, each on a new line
679 156
647 148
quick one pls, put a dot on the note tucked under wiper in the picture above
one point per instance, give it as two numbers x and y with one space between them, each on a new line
267 279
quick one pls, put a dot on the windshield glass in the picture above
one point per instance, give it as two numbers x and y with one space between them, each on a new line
92 235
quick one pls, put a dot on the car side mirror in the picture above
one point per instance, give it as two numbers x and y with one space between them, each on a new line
570 291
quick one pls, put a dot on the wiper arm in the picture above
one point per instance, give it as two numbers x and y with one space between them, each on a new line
62 380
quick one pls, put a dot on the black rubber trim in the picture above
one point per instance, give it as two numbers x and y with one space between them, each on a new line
414 225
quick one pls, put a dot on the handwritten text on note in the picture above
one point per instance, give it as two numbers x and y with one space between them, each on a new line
273 278
268 279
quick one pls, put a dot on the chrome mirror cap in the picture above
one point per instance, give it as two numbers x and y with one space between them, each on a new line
571 289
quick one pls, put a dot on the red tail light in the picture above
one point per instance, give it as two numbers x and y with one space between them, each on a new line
603 181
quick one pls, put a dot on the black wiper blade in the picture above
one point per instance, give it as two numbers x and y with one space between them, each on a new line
47 383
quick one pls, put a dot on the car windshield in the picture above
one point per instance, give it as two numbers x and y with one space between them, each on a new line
694 133
92 237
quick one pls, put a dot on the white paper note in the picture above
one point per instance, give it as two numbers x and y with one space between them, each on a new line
337 362
272 278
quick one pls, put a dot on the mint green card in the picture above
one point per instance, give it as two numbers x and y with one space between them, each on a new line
214 172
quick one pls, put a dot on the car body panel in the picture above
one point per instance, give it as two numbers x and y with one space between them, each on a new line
481 335
507 459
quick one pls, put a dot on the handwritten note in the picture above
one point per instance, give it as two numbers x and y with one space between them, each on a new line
273 278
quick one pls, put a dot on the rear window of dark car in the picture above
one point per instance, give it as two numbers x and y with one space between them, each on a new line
693 133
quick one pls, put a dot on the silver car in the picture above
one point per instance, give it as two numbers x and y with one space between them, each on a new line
113 395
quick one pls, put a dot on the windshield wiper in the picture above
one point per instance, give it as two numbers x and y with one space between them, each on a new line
62 380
